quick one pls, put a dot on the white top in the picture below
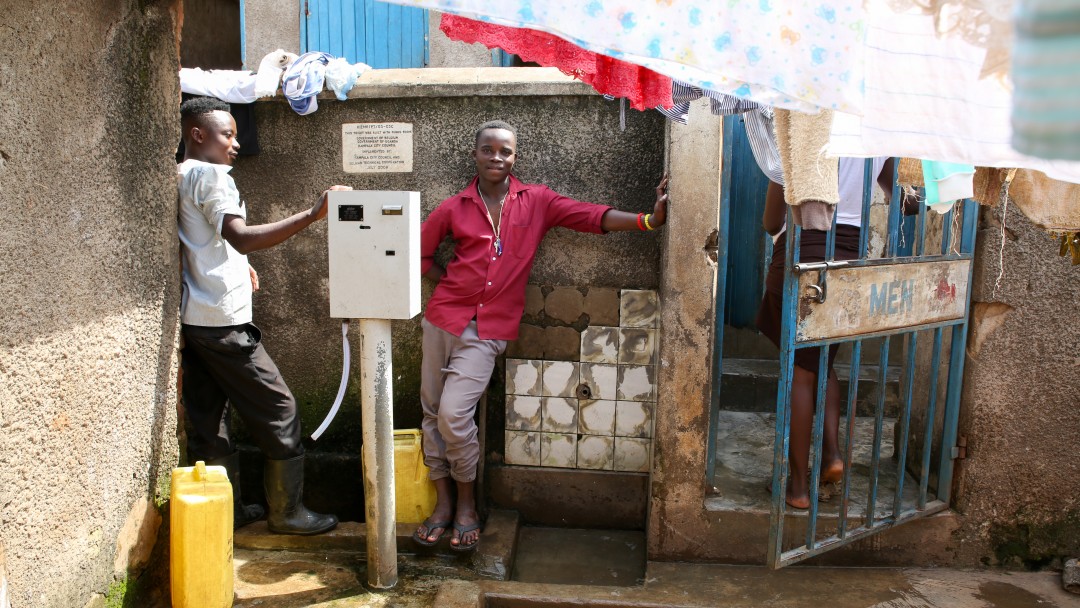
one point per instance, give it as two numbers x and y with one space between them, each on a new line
849 209
217 286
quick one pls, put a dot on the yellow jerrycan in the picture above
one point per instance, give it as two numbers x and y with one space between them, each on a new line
201 537
414 493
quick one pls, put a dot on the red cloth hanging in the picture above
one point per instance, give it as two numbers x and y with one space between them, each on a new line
643 87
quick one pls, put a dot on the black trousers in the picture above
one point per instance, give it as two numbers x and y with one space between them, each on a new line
227 367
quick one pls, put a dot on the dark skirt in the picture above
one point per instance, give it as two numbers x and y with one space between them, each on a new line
812 249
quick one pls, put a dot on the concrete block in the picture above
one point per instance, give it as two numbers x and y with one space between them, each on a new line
632 454
634 419
596 417
602 306
523 413
530 343
639 308
534 300
637 383
523 448
558 415
599 381
560 378
523 377
558 450
564 304
596 453
562 343
637 346
1070 576
600 345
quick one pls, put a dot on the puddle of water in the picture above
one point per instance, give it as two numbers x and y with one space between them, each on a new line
1003 595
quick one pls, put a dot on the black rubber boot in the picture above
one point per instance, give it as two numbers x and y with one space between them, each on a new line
242 514
284 484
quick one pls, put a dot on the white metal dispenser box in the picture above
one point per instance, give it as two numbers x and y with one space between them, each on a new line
374 242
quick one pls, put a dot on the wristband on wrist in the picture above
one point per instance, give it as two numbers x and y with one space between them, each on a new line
647 226
639 224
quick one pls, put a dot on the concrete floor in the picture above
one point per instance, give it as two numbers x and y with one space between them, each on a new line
567 556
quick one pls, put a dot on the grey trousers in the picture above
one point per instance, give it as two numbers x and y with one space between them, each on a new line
454 374
228 367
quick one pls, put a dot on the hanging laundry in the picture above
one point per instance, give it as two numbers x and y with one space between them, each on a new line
1046 74
342 75
924 99
757 120
271 68
797 54
303 81
811 180
231 86
946 183
643 87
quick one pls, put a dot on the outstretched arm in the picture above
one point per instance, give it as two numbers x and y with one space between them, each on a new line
618 221
246 239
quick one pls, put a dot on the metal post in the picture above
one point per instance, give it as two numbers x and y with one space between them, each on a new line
377 420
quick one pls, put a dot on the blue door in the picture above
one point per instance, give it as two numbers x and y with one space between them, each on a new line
376 33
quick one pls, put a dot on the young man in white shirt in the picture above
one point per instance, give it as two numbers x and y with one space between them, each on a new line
224 363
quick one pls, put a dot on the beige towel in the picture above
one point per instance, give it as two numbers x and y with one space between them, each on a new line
809 177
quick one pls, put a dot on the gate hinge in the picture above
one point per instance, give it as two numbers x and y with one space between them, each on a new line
959 451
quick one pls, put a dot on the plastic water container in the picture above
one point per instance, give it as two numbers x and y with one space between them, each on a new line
414 493
201 537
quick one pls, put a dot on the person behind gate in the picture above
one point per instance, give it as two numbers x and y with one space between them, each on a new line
497 224
224 363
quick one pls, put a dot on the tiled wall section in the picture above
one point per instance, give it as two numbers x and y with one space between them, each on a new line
594 413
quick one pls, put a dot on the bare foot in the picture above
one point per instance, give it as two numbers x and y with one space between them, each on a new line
833 472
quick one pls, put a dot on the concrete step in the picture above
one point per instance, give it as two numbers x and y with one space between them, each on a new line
749 385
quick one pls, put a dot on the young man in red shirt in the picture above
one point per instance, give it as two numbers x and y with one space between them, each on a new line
497 224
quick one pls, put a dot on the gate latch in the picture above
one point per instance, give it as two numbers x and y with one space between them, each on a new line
820 291
959 451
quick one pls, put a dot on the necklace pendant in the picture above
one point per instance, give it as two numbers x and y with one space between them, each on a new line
498 246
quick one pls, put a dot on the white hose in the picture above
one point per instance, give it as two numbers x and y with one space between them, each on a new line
344 383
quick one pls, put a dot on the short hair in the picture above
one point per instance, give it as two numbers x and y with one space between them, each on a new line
194 109
495 124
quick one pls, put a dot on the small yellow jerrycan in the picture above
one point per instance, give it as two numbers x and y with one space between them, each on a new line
414 493
201 537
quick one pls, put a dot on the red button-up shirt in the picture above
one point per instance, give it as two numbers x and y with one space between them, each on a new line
479 282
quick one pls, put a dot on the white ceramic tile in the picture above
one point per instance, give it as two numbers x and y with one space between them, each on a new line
601 380
637 346
596 417
523 377
559 415
639 308
523 448
522 413
600 345
632 454
560 378
558 450
596 452
637 383
633 419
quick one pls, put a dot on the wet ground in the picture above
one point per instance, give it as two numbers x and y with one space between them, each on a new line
567 568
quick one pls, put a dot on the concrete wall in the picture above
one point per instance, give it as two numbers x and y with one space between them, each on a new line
269 25
569 138
89 267
1017 488
446 53
211 35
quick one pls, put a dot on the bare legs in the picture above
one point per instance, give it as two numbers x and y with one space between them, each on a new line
444 511
466 515
461 511
803 393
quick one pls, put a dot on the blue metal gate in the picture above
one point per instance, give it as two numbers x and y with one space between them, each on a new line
376 33
892 299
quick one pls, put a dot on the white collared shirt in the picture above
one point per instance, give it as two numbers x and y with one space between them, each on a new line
217 286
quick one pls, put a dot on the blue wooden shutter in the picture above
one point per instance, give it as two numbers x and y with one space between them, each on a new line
376 33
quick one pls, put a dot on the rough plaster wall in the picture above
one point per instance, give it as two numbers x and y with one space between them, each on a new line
446 53
1018 488
269 25
211 35
88 281
571 143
